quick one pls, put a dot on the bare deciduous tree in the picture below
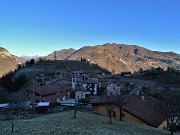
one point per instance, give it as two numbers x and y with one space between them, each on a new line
110 106
75 108
118 95
169 102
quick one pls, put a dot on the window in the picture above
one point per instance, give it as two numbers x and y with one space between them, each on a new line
114 113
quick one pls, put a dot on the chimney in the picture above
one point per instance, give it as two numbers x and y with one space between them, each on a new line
142 96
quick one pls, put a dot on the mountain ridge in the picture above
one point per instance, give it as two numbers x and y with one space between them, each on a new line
118 58
8 61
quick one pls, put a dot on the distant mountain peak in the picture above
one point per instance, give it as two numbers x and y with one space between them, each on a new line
4 53
3 49
61 54
8 61
25 58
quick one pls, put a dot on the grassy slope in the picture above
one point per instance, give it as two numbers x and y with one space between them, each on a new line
86 124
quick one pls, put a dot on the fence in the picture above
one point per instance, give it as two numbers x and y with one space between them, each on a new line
18 113
25 113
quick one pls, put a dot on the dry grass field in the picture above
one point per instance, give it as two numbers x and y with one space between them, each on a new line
84 124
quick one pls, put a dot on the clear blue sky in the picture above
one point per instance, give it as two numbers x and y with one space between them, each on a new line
38 27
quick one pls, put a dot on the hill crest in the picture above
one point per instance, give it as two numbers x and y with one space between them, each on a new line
118 58
8 61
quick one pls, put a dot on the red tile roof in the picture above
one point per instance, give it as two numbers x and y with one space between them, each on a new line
142 109
51 89
89 81
47 89
147 111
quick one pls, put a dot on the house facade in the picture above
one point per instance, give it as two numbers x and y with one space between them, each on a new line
49 93
136 110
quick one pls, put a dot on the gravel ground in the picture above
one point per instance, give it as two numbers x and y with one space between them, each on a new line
84 124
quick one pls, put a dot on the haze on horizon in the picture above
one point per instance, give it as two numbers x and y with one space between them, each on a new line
36 27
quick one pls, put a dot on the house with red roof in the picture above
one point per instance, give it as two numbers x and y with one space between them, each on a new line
136 110
49 93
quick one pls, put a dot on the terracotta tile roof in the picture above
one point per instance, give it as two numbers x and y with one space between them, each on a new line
67 78
100 99
147 111
65 82
102 79
89 81
93 75
142 109
76 76
65 88
47 89
51 89
87 76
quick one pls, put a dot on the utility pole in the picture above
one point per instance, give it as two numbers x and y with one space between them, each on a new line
12 123
55 55
33 93
107 62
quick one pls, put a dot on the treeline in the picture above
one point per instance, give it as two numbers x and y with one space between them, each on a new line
171 75
30 63
12 83
155 71
96 66
14 80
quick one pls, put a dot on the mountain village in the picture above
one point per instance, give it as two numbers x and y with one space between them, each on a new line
59 83
77 84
